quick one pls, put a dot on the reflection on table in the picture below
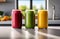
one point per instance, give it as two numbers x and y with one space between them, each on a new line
30 34
11 33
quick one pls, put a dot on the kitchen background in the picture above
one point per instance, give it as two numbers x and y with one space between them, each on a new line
56 4
7 7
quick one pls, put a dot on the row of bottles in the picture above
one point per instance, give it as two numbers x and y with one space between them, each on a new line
30 19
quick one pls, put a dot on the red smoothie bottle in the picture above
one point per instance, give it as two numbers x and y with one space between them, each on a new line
16 18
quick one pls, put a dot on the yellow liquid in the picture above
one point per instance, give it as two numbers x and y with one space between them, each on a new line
42 19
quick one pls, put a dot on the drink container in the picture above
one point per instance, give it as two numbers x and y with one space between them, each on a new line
30 19
16 18
42 19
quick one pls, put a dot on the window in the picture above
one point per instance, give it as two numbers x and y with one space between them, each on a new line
39 3
24 5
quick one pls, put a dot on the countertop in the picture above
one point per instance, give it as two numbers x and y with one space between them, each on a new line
7 32
23 22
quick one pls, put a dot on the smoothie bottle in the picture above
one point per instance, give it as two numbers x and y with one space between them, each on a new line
42 19
29 19
16 18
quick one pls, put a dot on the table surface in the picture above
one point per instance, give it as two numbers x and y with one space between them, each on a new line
11 33
23 22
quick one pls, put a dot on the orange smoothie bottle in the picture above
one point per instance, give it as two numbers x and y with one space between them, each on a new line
42 19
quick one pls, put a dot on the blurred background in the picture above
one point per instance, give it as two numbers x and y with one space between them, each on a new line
52 6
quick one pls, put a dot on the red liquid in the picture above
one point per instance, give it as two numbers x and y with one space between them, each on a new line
16 19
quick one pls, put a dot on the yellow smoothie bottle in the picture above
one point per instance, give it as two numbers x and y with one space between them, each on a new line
42 19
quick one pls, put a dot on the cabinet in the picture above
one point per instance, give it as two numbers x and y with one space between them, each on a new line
1 1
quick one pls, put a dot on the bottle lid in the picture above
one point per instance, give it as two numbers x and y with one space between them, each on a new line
29 10
42 10
16 10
